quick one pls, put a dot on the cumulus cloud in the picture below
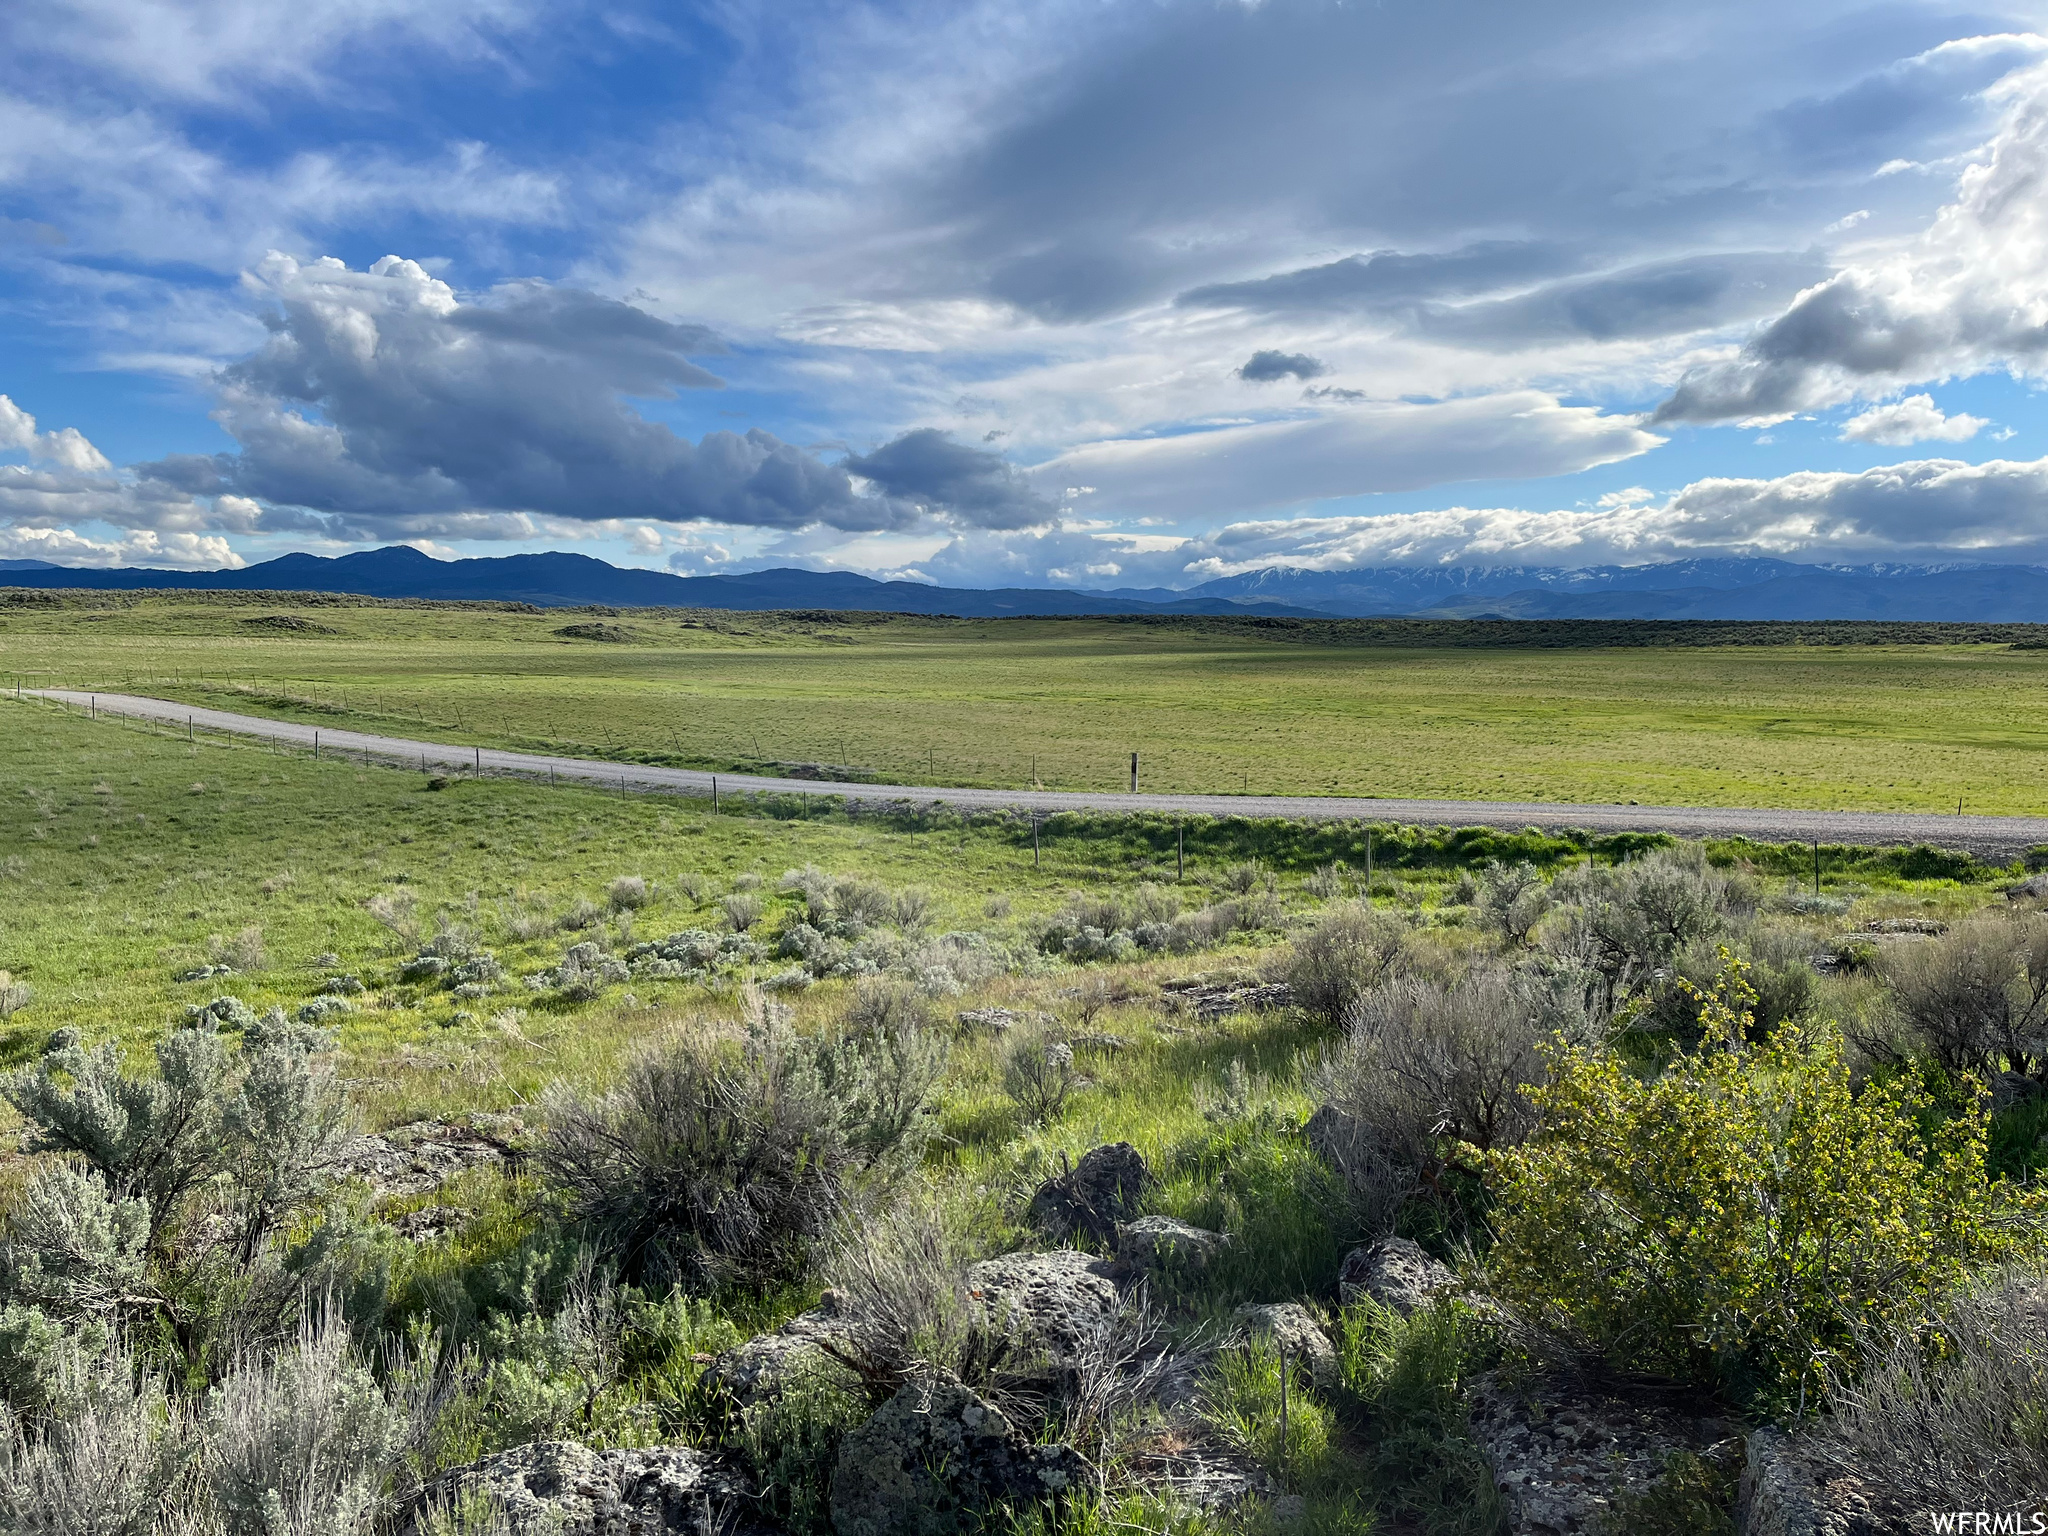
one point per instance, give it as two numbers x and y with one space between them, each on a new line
1915 419
1348 452
385 405
1969 295
1929 509
1271 366
66 447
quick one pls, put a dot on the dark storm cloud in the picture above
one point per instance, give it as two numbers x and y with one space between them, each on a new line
1266 367
384 404
976 487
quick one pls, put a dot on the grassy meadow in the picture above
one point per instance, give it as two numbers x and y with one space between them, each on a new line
1210 706
418 940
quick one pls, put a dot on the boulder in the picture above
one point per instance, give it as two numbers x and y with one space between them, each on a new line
1395 1273
1214 997
1165 1247
1293 1329
1094 1195
564 1489
934 1457
1562 1462
1186 1464
1786 1491
422 1155
2033 888
766 1366
1058 1300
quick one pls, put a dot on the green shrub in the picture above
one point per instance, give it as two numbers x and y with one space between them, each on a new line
723 1155
1342 958
1736 1220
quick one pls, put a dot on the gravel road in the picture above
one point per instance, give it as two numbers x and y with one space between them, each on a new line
1990 836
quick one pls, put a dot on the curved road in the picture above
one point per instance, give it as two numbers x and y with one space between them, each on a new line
1989 836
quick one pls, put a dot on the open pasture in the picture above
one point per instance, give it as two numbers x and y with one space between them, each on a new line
1210 706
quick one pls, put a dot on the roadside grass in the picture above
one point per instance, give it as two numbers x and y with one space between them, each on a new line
1210 707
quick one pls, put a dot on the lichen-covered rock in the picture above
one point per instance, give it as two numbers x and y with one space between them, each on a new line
1294 1330
1560 1462
1786 1492
1395 1273
1211 997
1094 1195
564 1489
1165 1248
414 1158
934 1457
768 1365
1057 1300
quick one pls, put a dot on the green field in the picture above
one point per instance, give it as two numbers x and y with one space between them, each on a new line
1210 706
130 857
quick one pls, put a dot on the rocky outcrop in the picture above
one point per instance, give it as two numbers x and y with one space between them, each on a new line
1293 1329
935 1456
1393 1272
1093 1196
423 1155
768 1365
1054 1301
1786 1491
564 1489
1212 997
1561 1461
1163 1248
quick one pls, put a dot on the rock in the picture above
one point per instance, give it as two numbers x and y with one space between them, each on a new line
1294 1329
1910 927
1155 1244
1787 1492
2033 888
1395 1273
565 1489
1094 1195
1560 1464
999 1021
1209 997
429 1224
934 1457
412 1159
1059 1299
766 1366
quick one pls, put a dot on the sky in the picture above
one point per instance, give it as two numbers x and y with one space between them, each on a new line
1103 293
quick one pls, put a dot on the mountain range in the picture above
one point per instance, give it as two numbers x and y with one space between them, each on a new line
1683 589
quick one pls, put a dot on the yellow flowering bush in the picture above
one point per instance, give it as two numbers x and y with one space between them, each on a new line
1737 1218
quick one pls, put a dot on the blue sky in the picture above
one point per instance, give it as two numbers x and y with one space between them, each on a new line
1109 294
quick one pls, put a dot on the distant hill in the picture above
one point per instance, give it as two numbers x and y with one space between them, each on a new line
1680 589
558 580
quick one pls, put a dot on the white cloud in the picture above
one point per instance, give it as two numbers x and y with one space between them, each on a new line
1350 452
1915 419
65 546
1924 510
66 447
1967 296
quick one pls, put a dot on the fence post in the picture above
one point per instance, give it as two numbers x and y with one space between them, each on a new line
1034 839
714 794
1180 849
316 746
1134 773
